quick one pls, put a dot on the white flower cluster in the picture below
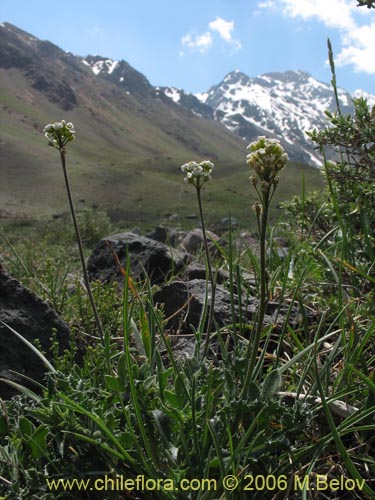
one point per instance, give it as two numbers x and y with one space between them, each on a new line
59 133
197 173
267 157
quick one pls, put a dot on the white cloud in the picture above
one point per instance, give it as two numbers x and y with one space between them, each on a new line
358 48
200 42
204 42
333 13
225 28
357 38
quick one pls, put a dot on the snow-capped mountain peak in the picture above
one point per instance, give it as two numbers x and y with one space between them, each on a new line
282 105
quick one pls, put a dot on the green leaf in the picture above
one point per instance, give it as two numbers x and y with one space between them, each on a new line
38 442
172 398
26 427
180 389
113 383
271 385
164 378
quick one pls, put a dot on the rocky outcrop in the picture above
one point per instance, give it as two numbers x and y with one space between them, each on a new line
145 256
189 298
32 318
193 241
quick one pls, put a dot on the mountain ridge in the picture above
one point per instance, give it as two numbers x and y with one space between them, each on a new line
126 133
283 105
131 136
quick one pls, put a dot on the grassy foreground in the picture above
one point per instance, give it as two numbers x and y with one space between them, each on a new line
272 411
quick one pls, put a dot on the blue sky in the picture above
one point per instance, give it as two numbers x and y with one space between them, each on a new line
195 43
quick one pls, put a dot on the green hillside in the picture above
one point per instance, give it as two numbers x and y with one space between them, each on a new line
130 143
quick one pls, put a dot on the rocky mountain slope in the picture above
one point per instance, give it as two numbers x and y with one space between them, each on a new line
283 105
126 129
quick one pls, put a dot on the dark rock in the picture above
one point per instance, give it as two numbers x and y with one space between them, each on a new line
12 57
164 234
32 318
168 235
58 92
145 255
194 272
183 347
193 241
190 298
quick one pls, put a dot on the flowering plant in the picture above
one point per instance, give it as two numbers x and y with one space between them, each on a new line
59 134
267 158
197 173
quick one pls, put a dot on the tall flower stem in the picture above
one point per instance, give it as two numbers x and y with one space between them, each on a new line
263 296
198 174
210 274
267 158
80 247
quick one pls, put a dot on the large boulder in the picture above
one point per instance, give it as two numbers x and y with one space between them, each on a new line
32 318
193 241
187 298
145 255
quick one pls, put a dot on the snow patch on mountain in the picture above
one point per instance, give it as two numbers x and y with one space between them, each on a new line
362 93
282 105
173 94
105 65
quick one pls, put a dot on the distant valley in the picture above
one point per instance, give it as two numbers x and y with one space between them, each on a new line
132 136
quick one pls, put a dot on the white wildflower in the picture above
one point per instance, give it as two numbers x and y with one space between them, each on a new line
267 158
59 134
197 173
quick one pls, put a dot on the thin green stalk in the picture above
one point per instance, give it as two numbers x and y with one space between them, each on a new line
263 298
80 247
333 72
267 158
210 274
